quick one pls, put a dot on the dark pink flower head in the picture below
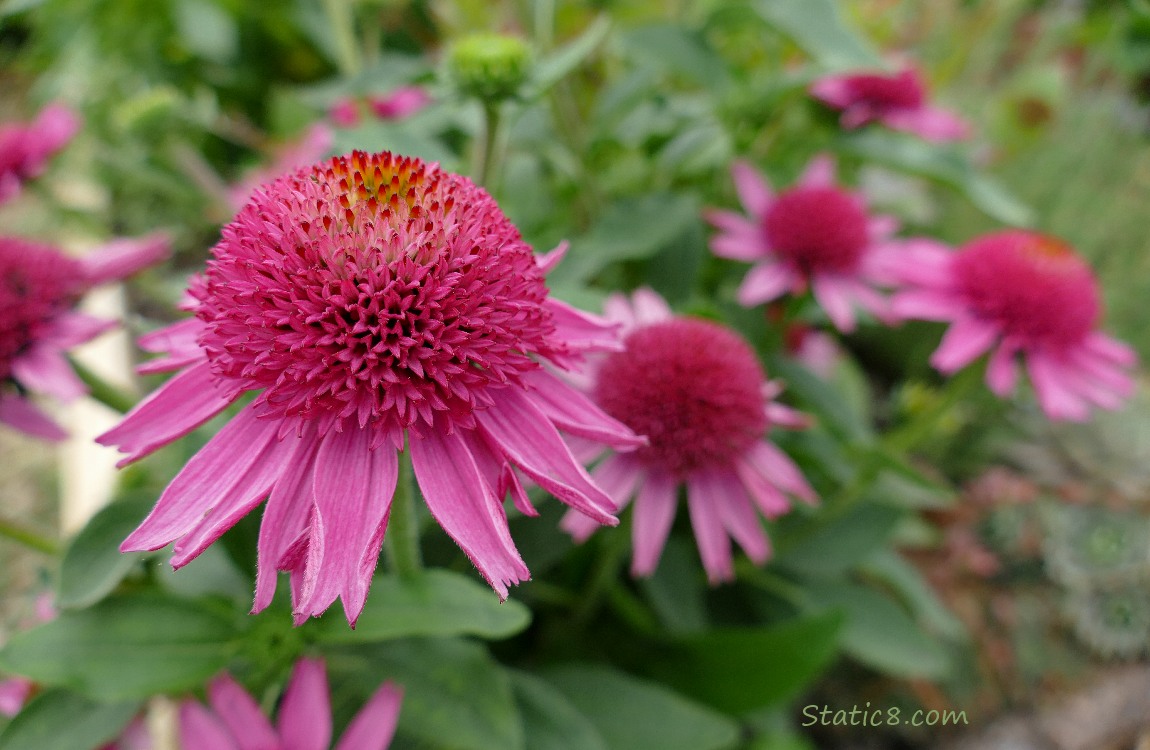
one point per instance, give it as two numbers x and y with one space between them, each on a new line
698 392
399 103
815 234
897 100
39 288
1017 292
234 720
26 148
368 299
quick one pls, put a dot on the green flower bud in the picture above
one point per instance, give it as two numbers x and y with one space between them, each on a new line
489 67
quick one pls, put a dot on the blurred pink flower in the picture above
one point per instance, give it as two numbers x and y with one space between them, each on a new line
26 148
368 298
344 113
815 234
315 143
39 289
14 693
1012 293
235 721
897 100
698 393
399 103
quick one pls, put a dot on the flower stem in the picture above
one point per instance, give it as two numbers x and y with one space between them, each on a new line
103 391
341 16
485 167
27 537
402 538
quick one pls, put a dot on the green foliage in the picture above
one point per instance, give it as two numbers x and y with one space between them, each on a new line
59 720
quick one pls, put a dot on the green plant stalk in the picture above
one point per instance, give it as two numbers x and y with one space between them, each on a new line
920 428
103 391
402 538
485 166
27 537
341 16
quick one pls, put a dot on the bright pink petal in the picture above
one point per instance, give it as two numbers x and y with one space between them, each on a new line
573 412
754 192
241 714
652 518
833 90
45 369
1111 349
765 282
881 228
179 341
304 719
210 474
176 408
353 487
121 258
778 469
466 507
1001 371
926 305
618 476
528 439
617 309
703 498
19 412
1056 398
819 173
965 340
650 307
739 517
201 730
929 123
581 331
374 725
549 260
925 263
834 296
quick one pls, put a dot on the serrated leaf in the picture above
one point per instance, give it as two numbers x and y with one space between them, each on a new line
93 565
60 720
817 27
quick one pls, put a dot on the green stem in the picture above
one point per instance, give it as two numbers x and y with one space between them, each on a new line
402 539
485 167
27 537
925 424
103 391
342 19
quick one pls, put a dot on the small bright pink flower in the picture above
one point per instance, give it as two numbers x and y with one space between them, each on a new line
368 299
814 235
1014 293
26 148
234 720
897 100
697 391
344 113
39 289
315 143
399 103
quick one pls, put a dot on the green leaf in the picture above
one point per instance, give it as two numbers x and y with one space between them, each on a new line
738 670
841 543
559 64
825 402
906 582
437 603
631 713
879 632
93 565
60 720
550 722
207 29
124 647
677 590
817 27
944 165
455 695
679 51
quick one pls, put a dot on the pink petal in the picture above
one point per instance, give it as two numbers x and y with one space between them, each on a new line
573 412
547 261
19 412
710 536
374 725
926 305
529 441
1111 349
834 296
617 309
1001 372
121 258
177 337
650 307
304 719
881 228
173 410
965 340
925 263
241 714
581 331
778 469
72 329
1055 396
578 526
764 282
770 500
353 487
654 513
45 369
754 192
833 90
820 173
618 476
929 123
738 515
13 693
210 474
466 507
201 730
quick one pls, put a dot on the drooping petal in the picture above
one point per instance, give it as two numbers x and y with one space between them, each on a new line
241 714
710 536
929 123
466 507
549 260
754 191
819 173
121 258
926 304
1057 400
617 476
1110 349
965 340
179 406
765 282
617 309
650 307
834 297
304 719
72 329
573 412
528 439
201 730
738 514
778 469
19 412
45 369
374 725
1001 371
653 515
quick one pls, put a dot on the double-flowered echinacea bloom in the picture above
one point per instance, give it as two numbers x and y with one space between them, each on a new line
815 236
26 147
39 289
897 100
368 299
1014 294
234 720
699 394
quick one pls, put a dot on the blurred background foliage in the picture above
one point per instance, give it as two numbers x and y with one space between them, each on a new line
966 554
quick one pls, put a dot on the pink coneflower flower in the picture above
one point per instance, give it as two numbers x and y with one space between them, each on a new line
313 145
814 235
26 148
1014 293
698 393
399 103
897 100
235 721
344 113
39 289
368 298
